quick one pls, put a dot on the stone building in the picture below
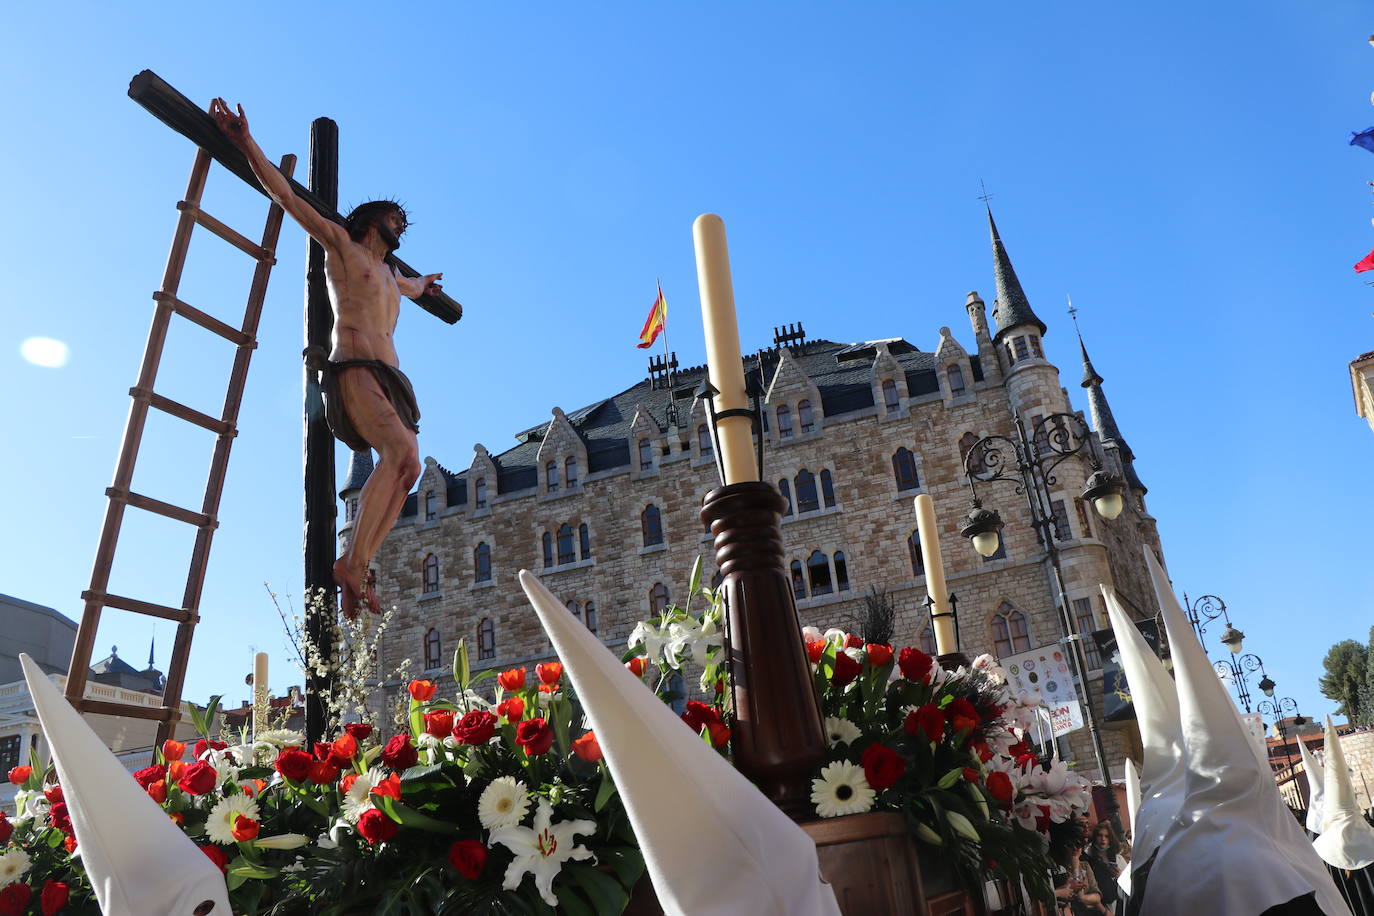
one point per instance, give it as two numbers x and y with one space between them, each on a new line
1362 386
602 503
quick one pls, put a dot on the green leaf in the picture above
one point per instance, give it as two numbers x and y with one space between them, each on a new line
55 838
626 861
211 709
604 791
606 893
569 902
560 711
409 817
462 674
256 773
417 718
233 881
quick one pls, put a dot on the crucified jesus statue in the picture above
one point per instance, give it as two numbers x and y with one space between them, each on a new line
368 401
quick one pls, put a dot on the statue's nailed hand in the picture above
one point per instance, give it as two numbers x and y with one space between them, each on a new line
432 286
235 126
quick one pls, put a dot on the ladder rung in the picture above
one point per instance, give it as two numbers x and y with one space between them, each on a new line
127 710
241 242
147 503
177 409
180 615
208 322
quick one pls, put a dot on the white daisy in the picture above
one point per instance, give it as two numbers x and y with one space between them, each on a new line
13 865
282 737
359 796
542 850
841 789
840 731
503 803
220 826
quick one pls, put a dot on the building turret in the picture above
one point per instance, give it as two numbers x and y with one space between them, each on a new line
1013 308
1105 423
359 469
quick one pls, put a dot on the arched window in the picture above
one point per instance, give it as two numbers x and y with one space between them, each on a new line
955 376
432 650
431 506
818 572
551 476
827 490
574 609
918 560
658 598
584 540
807 500
479 491
704 440
431 578
904 469
1010 633
891 400
927 641
805 417
798 580
486 639
646 454
565 545
651 525
481 563
548 550
786 490
978 464
784 422
570 472
590 608
841 572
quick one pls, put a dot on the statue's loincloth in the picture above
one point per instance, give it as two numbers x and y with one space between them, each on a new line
394 384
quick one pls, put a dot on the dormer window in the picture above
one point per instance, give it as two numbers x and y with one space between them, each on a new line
784 422
479 491
806 417
955 375
431 506
891 401
570 472
551 477
646 455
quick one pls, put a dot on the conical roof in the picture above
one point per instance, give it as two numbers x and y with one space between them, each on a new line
1013 308
359 469
1103 421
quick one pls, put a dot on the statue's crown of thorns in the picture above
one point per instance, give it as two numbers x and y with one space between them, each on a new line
366 212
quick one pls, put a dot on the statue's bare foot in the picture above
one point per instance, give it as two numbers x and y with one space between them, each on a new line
370 592
350 588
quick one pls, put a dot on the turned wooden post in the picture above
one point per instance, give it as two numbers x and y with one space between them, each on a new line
778 737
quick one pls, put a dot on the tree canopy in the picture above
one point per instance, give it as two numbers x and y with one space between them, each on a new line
1347 679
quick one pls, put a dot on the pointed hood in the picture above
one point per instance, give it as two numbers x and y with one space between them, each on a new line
1347 840
1315 775
163 872
1013 308
1103 421
1132 781
1234 848
1162 772
677 791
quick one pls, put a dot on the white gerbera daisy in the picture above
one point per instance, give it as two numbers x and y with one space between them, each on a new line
840 731
13 865
503 803
841 789
282 737
220 825
359 796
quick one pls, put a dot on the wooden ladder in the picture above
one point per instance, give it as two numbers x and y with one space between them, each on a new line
225 429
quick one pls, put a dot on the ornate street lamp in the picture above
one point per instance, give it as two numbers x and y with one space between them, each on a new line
1234 668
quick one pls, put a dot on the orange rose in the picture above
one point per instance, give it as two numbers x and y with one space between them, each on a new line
587 747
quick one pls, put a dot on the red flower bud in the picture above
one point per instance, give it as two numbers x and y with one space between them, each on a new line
535 736
14 899
638 665
244 829
999 784
587 747
20 775
511 709
549 673
376 827
512 680
421 691
879 654
469 857
400 754
53 898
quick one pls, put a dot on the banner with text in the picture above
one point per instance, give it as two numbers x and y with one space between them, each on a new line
1047 670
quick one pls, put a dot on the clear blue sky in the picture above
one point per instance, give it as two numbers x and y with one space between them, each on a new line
1180 169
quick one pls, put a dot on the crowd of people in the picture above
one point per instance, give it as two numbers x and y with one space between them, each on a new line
1091 859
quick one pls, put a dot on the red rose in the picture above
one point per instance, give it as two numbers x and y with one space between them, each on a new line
815 649
172 750
205 744
638 665
376 827
469 857
511 709
14 899
970 775
846 669
342 751
550 673
53 793
476 727
390 787
720 735
20 775
699 713
915 665
69 844
322 773
294 764
421 691
158 791
853 642
512 680
244 829
882 766
6 828
60 817
218 856
535 736
439 724
927 720
200 777
53 898
962 715
999 784
587 747
400 754
359 731
879 654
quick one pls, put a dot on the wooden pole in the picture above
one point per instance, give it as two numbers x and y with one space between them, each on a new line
195 124
321 540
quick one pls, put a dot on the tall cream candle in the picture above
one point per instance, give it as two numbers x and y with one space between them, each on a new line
259 693
945 640
724 366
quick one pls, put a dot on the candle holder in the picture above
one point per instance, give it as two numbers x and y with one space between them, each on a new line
957 658
778 737
707 392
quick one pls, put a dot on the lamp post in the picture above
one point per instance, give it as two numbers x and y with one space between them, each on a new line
1234 668
1278 708
1029 463
1206 609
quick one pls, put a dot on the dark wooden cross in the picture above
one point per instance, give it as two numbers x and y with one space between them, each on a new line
320 539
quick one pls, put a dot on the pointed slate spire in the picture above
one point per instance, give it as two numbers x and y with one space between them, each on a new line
359 469
1013 308
1105 423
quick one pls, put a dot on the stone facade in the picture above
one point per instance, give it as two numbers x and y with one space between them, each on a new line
1358 746
1362 386
848 411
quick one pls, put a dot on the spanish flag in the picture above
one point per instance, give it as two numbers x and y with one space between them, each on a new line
653 325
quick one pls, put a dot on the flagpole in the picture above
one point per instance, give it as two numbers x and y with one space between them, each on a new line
667 360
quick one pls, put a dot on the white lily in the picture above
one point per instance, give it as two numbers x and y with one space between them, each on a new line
650 637
282 841
541 850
